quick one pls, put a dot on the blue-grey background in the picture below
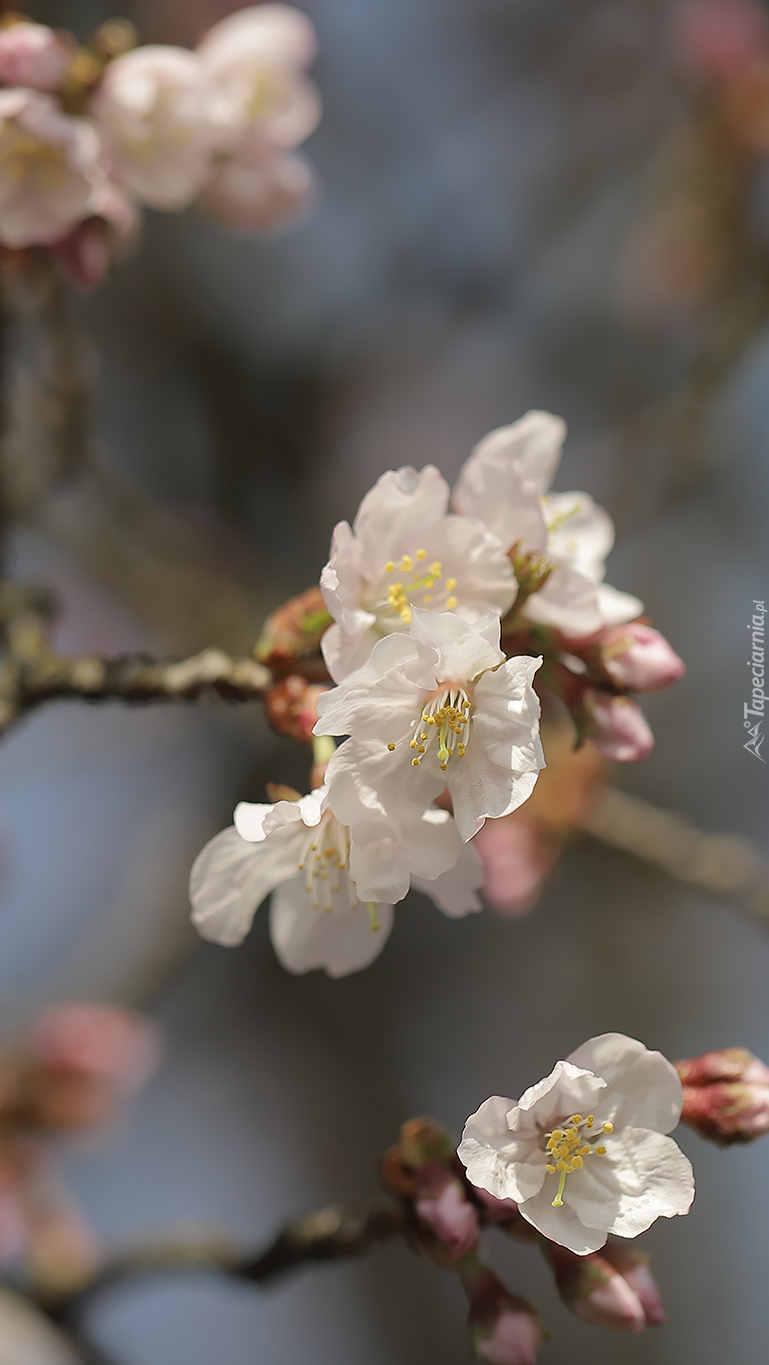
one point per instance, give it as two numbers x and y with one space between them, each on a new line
482 163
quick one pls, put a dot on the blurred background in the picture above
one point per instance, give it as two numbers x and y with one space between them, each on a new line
524 203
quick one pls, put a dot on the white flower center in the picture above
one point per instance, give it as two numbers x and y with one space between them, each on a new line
410 583
568 1147
443 720
325 861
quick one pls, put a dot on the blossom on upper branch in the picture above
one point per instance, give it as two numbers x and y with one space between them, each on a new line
404 551
584 1152
505 484
33 55
50 172
153 110
439 707
333 895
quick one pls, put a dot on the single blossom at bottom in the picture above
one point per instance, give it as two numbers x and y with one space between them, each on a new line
332 903
584 1153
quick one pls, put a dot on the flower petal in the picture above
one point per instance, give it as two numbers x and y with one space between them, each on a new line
369 793
567 1090
617 607
454 891
562 1225
392 515
644 1087
340 582
231 877
382 699
464 649
339 942
506 712
507 1165
506 474
642 1177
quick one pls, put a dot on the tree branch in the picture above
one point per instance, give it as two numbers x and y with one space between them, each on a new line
331 1234
32 673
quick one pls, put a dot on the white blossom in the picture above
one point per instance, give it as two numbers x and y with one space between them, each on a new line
155 113
50 173
584 1152
439 707
257 186
33 55
254 62
505 484
404 551
333 896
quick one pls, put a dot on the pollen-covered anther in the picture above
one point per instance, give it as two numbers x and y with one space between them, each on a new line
567 1148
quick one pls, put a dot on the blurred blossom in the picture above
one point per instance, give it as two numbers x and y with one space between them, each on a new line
257 186
442 1205
72 1071
726 1095
50 171
585 1152
720 37
253 62
519 851
746 106
153 110
34 56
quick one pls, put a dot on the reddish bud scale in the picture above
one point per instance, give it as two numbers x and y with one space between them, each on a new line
293 633
726 1095
291 707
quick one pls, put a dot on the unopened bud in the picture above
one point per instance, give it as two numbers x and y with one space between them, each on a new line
504 1328
633 1266
617 726
594 1291
443 1207
726 1095
294 632
291 707
637 658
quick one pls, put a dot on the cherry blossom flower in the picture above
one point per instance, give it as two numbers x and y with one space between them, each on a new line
50 173
33 55
505 484
333 898
154 111
402 551
87 253
575 1178
257 186
439 707
254 63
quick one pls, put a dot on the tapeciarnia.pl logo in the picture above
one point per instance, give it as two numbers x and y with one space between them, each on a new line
753 711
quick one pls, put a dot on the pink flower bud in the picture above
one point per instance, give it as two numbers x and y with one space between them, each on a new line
638 658
617 726
517 856
633 1266
33 55
504 1328
594 1291
445 1209
726 1095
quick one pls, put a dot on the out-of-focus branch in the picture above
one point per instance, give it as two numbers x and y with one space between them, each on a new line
331 1234
723 864
32 672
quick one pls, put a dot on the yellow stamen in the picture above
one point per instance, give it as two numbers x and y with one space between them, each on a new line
558 1201
421 554
389 566
391 747
451 583
451 602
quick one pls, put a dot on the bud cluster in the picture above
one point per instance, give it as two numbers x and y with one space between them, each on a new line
726 1095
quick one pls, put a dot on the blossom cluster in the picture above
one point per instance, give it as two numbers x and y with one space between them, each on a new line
89 136
438 617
